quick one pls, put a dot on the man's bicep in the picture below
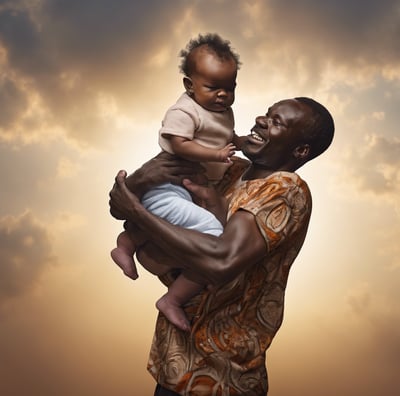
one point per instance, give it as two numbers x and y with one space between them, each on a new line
245 242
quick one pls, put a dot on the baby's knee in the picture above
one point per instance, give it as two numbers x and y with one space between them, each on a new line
150 264
124 240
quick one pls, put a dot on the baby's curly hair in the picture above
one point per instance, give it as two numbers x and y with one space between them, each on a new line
215 44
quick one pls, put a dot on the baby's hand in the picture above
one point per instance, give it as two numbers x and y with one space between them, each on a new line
225 154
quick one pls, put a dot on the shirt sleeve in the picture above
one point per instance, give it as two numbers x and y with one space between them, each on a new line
281 206
178 122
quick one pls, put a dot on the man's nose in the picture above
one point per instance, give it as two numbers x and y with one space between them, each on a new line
262 121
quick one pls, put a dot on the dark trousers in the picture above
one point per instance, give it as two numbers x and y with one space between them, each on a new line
160 391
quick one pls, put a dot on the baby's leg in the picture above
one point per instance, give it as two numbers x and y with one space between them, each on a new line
123 255
151 260
170 304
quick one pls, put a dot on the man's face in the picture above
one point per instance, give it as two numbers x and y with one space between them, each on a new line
275 135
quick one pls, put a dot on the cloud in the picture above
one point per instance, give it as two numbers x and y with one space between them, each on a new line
12 102
352 31
359 299
379 318
25 253
387 246
309 41
376 166
61 58
27 175
67 169
367 143
69 55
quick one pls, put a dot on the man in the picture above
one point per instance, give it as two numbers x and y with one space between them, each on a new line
235 319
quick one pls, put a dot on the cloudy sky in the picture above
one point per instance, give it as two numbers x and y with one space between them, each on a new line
84 85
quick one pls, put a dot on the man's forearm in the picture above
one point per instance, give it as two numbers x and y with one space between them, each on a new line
217 259
191 250
161 169
137 184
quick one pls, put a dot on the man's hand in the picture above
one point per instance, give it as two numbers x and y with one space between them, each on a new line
161 169
122 201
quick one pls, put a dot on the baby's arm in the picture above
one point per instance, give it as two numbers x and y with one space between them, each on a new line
192 151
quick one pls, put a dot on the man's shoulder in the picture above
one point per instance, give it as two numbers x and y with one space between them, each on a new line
287 180
280 189
288 186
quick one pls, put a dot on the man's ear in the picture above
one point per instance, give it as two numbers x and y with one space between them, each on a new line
188 84
301 152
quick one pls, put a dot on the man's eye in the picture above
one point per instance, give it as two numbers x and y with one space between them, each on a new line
276 122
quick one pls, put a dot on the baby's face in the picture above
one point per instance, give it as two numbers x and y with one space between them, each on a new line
213 82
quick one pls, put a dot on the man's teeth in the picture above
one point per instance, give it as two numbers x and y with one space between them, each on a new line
256 136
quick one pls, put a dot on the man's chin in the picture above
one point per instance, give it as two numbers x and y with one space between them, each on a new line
247 153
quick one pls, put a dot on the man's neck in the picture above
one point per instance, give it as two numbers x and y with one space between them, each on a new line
256 172
253 172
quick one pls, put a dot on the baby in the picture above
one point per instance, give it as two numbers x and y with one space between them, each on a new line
198 127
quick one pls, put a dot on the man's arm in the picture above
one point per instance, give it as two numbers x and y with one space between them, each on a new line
216 259
162 168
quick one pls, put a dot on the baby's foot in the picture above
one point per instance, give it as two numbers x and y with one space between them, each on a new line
174 313
125 262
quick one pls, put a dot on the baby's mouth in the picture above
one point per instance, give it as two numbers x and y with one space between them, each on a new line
220 104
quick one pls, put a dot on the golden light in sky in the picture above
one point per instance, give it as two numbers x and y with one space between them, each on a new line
83 88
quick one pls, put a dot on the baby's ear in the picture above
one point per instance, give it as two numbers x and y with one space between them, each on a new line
188 84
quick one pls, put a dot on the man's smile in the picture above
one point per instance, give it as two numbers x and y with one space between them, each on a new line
256 136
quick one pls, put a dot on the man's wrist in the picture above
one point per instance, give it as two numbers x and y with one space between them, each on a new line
136 185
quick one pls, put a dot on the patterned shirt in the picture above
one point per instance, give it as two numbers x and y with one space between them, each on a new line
234 324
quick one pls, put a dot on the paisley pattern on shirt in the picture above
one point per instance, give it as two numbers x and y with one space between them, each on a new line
234 324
